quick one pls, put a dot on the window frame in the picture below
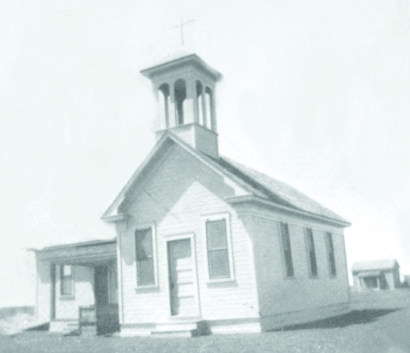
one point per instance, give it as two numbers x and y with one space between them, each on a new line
219 217
283 255
62 277
142 227
328 253
309 231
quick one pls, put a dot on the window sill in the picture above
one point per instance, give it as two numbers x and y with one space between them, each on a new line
221 281
148 288
67 297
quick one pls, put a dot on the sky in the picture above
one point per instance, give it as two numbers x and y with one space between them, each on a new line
315 93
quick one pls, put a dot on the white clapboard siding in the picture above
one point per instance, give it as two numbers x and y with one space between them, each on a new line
67 308
176 197
278 294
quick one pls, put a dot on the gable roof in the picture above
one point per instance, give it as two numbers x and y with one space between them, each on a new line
277 191
372 265
257 184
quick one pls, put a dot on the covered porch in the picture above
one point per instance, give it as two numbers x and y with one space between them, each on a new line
372 280
83 287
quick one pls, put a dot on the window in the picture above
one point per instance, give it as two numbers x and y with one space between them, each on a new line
286 249
144 257
66 280
217 249
330 254
310 247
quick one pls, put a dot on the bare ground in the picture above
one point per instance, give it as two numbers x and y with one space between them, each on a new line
379 322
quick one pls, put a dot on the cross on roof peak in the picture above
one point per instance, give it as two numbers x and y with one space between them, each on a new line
181 25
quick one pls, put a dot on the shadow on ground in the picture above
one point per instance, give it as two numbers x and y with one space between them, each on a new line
355 317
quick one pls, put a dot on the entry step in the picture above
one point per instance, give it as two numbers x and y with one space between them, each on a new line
180 329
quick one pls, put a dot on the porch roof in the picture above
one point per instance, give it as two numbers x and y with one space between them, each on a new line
370 274
89 252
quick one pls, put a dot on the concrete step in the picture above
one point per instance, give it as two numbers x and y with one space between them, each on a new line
183 328
64 327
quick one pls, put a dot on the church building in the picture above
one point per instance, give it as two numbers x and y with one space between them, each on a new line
203 244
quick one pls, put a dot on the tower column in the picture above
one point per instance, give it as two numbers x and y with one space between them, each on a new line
212 113
172 107
204 109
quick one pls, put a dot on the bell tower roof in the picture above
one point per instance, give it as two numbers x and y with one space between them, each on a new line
182 58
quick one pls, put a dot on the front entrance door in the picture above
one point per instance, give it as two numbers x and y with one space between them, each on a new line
181 278
105 307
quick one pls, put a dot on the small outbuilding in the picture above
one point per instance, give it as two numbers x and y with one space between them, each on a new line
376 274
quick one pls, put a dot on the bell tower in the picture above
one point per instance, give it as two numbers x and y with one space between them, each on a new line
184 87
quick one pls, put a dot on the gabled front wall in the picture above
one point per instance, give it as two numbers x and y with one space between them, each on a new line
301 297
176 196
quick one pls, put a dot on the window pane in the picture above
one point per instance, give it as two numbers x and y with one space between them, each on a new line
216 234
144 257
285 237
218 264
66 286
66 270
331 254
289 264
143 239
286 247
66 279
145 272
311 252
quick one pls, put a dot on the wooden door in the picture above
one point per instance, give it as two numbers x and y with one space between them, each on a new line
106 312
181 278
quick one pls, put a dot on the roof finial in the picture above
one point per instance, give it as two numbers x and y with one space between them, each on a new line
181 27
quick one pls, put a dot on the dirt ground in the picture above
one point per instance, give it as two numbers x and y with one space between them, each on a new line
379 322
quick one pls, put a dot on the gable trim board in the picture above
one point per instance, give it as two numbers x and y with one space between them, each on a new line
110 215
256 191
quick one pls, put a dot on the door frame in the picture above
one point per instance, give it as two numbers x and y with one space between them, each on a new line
53 274
191 237
105 269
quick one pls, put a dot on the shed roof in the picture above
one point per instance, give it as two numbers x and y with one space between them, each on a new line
83 244
373 265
